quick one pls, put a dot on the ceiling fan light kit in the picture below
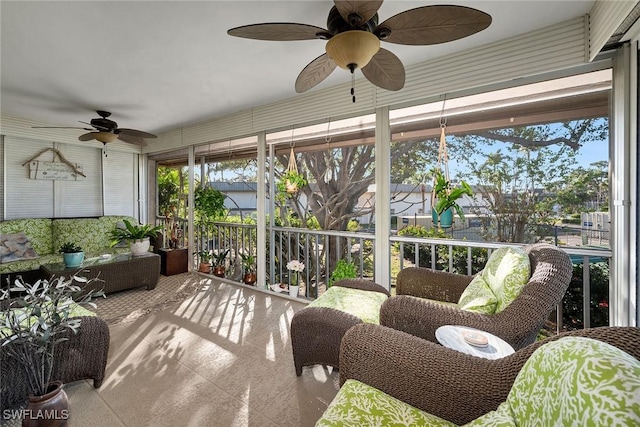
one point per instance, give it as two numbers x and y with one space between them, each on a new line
353 38
352 49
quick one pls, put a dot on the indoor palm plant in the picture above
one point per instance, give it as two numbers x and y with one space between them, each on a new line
137 235
33 324
446 199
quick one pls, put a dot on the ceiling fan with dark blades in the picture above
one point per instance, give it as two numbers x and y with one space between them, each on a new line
105 130
353 38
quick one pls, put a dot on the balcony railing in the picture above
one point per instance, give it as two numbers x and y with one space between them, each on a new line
585 305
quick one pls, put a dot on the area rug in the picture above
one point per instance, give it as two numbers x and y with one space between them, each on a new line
129 305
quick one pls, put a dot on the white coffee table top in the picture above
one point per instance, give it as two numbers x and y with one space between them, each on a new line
451 336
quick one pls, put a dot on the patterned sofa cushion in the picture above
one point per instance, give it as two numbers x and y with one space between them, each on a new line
15 247
92 234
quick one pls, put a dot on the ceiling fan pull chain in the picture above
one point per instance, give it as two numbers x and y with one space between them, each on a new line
353 86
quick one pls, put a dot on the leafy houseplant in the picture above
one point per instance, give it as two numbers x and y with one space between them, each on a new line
208 202
205 257
219 262
72 254
249 266
344 270
137 235
291 182
34 323
447 197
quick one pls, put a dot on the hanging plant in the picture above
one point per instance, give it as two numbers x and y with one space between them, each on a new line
291 181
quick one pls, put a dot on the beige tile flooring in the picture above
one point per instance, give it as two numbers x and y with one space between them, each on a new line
221 358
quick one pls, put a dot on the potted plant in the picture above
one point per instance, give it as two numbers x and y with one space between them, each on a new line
32 326
291 182
446 197
205 261
72 254
249 267
219 262
137 235
344 270
295 267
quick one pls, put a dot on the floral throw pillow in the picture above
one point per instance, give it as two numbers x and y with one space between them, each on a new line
15 247
500 282
478 297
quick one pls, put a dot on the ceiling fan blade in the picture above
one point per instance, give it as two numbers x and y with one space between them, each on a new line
134 132
434 24
132 139
350 10
58 127
280 31
315 72
385 70
87 136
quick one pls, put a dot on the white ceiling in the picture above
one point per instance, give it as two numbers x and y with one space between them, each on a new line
159 65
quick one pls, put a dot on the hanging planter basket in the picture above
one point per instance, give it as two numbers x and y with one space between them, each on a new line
292 181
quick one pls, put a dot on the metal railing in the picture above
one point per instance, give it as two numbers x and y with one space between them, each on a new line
320 250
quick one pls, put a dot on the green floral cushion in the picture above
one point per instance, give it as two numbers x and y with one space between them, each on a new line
362 304
37 230
76 311
577 381
91 234
500 282
358 404
478 297
501 417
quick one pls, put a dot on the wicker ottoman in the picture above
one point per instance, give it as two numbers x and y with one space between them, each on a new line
316 330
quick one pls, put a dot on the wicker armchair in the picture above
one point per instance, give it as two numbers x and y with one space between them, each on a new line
518 324
446 383
82 356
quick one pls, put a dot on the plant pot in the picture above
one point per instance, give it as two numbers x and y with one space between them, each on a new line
291 187
250 278
73 259
140 246
293 290
204 267
219 271
444 220
48 410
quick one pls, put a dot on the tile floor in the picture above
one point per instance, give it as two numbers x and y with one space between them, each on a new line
220 358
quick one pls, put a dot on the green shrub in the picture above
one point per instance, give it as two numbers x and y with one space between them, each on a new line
344 270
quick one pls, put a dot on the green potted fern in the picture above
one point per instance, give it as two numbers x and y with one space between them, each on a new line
137 235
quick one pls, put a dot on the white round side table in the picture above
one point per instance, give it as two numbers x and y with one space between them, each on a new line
451 336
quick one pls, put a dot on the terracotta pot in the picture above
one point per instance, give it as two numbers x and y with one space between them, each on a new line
250 278
204 267
48 410
219 271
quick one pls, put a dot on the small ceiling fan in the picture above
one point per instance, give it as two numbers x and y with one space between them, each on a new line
106 130
354 35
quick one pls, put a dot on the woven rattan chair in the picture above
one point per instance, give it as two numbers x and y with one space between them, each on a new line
82 356
452 385
518 324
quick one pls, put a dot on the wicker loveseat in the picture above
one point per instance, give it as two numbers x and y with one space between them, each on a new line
455 387
47 235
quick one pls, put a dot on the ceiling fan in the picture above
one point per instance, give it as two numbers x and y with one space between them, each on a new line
354 35
106 130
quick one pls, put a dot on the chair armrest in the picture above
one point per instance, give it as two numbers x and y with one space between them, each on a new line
362 284
452 385
432 284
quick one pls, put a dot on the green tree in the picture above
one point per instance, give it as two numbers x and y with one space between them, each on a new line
583 189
